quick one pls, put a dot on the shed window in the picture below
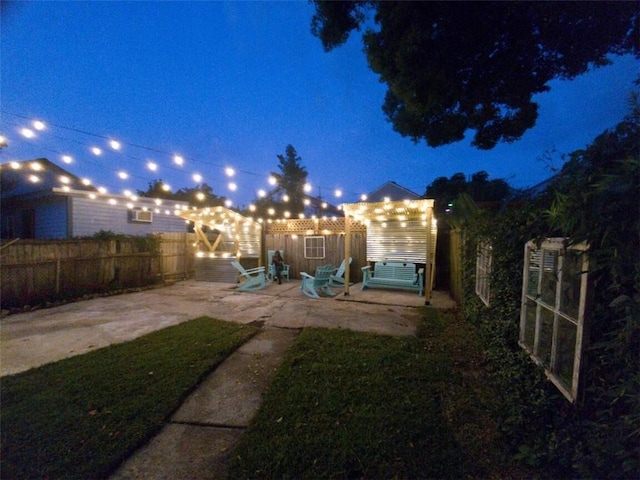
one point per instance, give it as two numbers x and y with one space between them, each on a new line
552 316
314 247
483 270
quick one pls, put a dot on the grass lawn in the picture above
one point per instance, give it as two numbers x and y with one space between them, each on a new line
80 417
353 405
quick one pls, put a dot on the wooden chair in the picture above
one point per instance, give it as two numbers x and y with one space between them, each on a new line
337 279
252 279
311 285
271 269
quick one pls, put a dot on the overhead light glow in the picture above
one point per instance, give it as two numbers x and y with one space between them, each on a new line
232 186
229 171
86 181
123 175
197 177
307 187
67 158
34 178
363 197
166 187
64 179
115 144
262 193
338 193
272 180
178 160
36 167
96 151
27 133
152 166
39 125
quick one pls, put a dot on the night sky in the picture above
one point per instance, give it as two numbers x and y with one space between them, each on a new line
231 84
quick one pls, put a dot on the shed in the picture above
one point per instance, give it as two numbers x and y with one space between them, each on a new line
403 231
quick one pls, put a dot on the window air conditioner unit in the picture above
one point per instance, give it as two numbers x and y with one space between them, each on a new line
142 216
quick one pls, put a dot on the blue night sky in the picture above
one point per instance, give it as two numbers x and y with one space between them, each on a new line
232 84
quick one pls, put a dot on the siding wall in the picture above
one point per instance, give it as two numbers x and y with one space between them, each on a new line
90 216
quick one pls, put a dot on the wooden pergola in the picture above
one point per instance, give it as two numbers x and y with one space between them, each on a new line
404 231
236 235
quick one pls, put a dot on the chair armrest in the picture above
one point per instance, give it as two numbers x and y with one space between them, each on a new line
306 275
255 270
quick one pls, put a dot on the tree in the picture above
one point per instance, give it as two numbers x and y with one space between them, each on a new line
288 194
198 196
454 66
482 190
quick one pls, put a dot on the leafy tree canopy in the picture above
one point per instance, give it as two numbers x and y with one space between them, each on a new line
445 190
454 66
196 196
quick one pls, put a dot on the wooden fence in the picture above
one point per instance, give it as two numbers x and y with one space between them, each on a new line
34 271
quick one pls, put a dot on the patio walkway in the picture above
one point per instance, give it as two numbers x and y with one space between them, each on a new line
196 441
31 339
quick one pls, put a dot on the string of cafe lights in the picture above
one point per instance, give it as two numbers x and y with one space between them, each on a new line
32 129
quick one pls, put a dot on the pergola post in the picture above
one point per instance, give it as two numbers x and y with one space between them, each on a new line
347 252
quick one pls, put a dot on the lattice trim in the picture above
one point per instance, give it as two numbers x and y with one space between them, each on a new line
311 226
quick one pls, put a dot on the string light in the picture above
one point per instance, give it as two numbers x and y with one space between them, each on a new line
176 158
27 133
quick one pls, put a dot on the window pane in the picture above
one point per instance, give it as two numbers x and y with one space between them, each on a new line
566 350
534 272
546 335
549 277
571 282
530 324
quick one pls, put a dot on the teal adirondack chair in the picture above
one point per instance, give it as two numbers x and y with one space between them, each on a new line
271 268
252 279
311 285
337 279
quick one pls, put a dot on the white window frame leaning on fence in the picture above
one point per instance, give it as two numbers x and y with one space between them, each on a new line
483 271
314 247
552 315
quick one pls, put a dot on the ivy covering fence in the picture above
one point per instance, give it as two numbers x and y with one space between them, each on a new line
593 201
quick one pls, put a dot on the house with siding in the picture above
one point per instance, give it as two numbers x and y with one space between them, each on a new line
40 199
393 192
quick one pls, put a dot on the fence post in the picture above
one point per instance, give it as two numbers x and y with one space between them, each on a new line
58 269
